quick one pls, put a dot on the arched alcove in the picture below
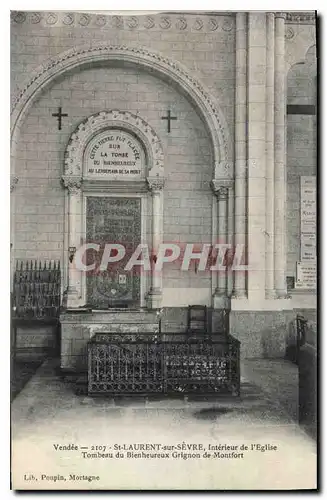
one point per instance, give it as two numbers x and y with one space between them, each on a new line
114 119
108 191
143 61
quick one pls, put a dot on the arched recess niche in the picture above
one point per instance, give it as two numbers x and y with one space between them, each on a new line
158 65
113 125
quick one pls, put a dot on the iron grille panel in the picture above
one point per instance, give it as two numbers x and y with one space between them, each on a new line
36 290
121 367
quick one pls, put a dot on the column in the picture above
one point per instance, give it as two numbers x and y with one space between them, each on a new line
256 150
156 186
280 159
222 198
221 191
270 140
74 294
230 237
13 182
239 286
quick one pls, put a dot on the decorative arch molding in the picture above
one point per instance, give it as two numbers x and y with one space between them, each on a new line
308 67
307 59
124 120
164 67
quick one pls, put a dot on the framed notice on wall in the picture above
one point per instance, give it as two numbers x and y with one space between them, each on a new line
306 267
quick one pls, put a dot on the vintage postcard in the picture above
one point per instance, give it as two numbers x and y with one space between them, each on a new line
163 250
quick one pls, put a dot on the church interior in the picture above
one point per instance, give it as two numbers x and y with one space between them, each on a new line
163 214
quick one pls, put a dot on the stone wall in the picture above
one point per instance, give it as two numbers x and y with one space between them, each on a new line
203 44
78 329
39 203
262 333
301 148
36 342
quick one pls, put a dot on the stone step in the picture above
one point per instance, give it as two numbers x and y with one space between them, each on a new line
250 397
124 316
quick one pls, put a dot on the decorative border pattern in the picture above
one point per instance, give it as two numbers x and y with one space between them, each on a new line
112 119
207 23
156 183
301 17
156 62
13 181
289 33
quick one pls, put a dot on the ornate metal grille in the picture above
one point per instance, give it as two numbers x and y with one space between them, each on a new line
118 365
36 290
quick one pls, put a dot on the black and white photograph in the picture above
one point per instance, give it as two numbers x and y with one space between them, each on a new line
163 250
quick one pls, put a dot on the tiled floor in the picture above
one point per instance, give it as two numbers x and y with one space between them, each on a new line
47 412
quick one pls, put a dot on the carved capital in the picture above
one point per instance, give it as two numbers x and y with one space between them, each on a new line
73 184
156 183
220 187
222 193
13 182
280 15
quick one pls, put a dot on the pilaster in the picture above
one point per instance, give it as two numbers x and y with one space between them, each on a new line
240 218
256 149
280 159
221 189
270 156
74 290
156 185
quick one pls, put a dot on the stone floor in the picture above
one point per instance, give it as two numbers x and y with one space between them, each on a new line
47 413
278 378
22 372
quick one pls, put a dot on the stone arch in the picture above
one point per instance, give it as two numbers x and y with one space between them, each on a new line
164 67
124 120
307 68
308 57
298 39
311 53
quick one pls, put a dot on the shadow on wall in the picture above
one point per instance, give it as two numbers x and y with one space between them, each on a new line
291 352
295 339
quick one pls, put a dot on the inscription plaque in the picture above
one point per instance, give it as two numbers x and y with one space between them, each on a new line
308 218
114 154
306 274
